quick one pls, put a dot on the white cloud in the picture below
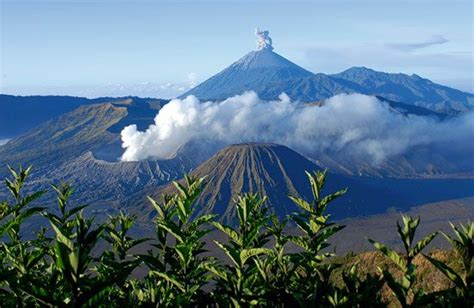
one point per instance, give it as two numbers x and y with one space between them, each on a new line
351 125
408 47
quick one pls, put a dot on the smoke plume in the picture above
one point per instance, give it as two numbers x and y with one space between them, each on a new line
353 125
264 40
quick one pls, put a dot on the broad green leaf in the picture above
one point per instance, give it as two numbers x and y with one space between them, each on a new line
230 252
30 198
156 205
248 253
396 288
172 229
169 278
229 231
60 236
391 254
447 271
422 244
302 204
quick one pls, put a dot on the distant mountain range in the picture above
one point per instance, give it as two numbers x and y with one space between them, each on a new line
270 74
19 114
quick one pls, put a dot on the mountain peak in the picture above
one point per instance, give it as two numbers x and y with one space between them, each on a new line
359 70
254 71
267 168
264 59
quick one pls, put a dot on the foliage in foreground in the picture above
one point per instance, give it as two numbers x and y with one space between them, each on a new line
72 269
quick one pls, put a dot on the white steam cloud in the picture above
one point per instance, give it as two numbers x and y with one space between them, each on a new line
264 40
353 125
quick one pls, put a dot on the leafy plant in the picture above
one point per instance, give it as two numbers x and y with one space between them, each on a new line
463 244
89 263
311 285
179 268
72 273
362 292
277 269
404 287
117 263
20 259
240 282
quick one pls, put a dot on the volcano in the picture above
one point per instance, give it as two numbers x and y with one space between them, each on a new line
253 72
277 171
269 74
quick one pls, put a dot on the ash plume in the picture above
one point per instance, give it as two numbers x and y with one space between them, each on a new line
264 40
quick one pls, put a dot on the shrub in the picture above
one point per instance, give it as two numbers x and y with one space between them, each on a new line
68 269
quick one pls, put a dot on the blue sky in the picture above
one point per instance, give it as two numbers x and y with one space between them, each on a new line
115 47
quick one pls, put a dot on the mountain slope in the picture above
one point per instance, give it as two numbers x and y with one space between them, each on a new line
409 89
82 147
65 137
35 110
277 171
254 71
311 88
100 182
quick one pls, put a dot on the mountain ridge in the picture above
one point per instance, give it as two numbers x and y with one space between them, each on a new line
269 74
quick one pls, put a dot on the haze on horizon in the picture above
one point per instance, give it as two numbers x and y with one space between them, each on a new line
116 48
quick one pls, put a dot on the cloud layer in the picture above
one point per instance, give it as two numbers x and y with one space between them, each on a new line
434 40
352 125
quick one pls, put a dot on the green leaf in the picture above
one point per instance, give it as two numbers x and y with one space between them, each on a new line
396 288
61 237
422 244
303 224
300 241
447 271
248 253
329 198
184 253
229 231
391 254
156 206
170 279
230 252
30 198
302 204
76 210
216 270
203 219
6 227
172 229
315 183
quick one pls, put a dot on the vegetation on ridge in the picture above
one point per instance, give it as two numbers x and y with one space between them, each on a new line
62 267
